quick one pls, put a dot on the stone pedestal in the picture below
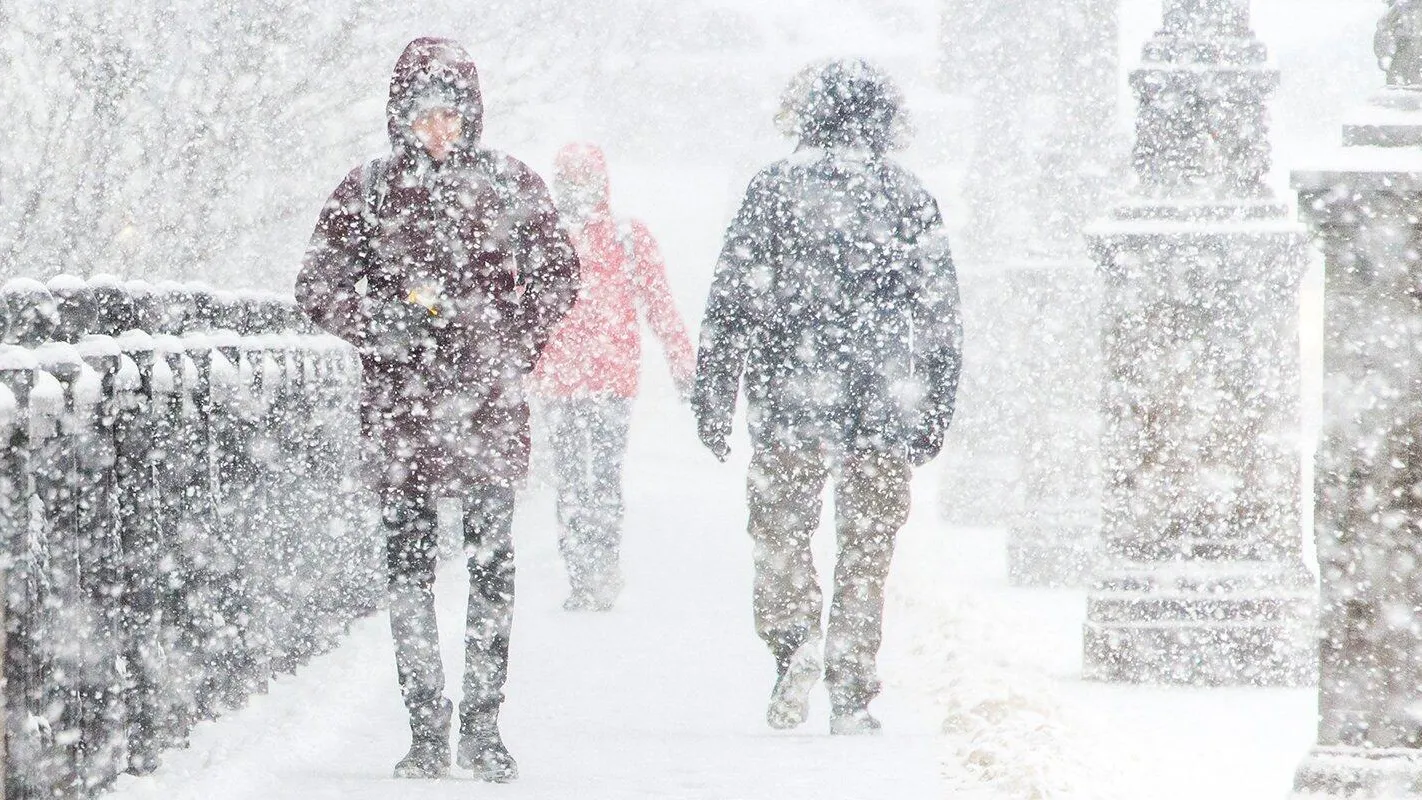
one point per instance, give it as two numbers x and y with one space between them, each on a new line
1054 539
1364 209
982 450
1044 111
1202 579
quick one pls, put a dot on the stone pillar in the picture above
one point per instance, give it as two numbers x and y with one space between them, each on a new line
982 451
1022 453
1363 207
1203 579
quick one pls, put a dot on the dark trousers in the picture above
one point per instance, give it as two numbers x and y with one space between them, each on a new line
411 556
588 437
871 503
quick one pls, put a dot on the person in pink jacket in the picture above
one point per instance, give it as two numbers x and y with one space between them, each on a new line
588 373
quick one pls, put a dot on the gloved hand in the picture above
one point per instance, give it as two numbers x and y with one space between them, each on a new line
926 442
397 331
713 434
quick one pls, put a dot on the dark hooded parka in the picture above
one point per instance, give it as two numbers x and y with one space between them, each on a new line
835 295
449 278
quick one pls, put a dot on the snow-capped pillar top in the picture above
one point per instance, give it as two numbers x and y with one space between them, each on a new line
1202 134
1207 18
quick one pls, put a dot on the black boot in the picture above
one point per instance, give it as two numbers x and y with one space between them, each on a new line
482 751
429 747
849 704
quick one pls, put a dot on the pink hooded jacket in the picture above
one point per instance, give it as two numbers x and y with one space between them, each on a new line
596 349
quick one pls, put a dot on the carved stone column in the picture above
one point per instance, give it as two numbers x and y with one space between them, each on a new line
983 450
1022 453
1203 579
1365 208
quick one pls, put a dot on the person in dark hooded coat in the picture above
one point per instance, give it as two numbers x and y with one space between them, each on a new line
445 265
835 303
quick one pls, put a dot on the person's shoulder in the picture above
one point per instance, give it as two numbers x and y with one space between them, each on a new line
347 195
905 185
772 177
899 175
505 166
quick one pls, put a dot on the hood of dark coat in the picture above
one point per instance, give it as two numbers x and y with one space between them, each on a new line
845 103
584 163
433 60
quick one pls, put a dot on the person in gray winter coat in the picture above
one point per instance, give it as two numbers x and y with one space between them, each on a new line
835 303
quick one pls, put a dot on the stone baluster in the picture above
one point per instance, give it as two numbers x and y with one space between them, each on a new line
1363 205
1022 454
1202 578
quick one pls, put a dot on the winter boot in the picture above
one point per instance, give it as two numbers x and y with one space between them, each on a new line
578 600
605 591
482 751
429 748
853 722
790 699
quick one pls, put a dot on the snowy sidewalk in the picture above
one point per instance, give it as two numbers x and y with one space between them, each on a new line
662 698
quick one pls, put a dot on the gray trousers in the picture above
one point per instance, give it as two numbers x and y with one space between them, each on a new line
588 437
411 555
871 502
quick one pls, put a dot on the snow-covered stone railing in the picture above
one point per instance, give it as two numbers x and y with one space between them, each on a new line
180 516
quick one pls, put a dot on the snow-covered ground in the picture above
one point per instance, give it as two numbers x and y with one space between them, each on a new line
662 698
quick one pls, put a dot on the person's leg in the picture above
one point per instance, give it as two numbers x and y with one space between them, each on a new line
409 518
783 490
608 420
488 541
871 505
568 436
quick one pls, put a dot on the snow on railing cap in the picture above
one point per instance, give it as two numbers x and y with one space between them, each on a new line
224 337
135 340
106 280
23 286
51 353
270 341
65 282
325 343
96 346
167 343
13 357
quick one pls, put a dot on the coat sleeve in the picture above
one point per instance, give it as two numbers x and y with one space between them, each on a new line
937 318
654 293
728 326
335 262
548 268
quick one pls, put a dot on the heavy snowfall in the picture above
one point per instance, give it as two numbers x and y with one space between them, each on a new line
273 360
